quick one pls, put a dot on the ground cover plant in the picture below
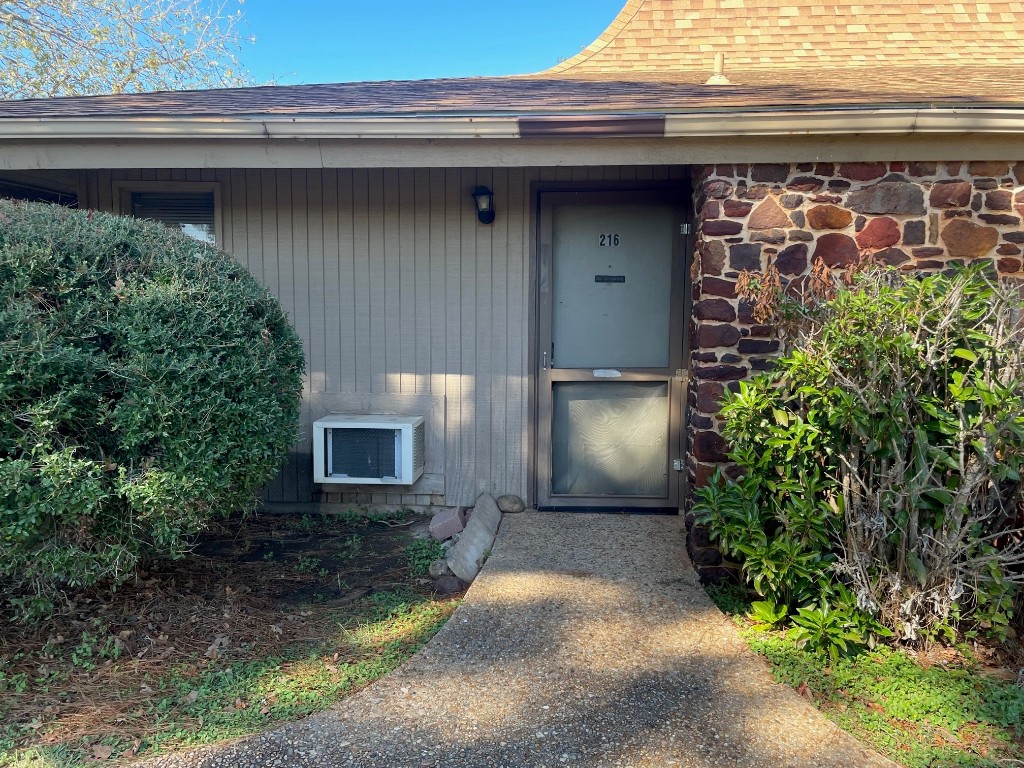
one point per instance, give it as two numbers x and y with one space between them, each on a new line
926 708
270 619
148 384
878 486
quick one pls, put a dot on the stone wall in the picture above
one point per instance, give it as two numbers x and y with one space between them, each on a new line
916 216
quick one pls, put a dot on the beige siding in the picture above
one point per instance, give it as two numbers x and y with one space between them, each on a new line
396 290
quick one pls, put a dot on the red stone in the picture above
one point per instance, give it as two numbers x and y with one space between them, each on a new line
879 233
892 256
922 169
836 250
1008 249
825 169
736 207
1003 219
704 474
950 194
717 188
768 215
714 309
772 173
829 217
710 210
720 372
806 184
965 239
709 396
1018 172
988 168
1009 266
712 257
712 336
709 447
792 260
716 286
862 171
998 200
721 227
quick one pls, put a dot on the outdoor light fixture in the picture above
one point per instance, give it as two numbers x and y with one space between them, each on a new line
484 199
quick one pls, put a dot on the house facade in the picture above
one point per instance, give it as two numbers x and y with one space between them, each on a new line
574 350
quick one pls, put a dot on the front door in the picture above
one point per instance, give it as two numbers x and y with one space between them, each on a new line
610 332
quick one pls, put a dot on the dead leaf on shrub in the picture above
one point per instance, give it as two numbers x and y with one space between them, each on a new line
805 690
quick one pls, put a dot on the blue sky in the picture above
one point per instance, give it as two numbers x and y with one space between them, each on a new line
318 41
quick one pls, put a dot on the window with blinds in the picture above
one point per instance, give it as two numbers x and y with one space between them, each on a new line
192 212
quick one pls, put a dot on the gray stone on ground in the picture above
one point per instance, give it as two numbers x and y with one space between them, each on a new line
449 585
511 503
439 568
468 555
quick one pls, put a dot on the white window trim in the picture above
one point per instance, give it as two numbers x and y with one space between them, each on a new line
123 194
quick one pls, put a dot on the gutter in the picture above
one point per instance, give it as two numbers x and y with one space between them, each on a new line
830 122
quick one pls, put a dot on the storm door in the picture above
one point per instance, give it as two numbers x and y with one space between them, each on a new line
610 347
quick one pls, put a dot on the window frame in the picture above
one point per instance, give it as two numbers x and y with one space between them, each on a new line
123 198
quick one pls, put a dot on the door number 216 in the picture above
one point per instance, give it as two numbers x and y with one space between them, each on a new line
609 240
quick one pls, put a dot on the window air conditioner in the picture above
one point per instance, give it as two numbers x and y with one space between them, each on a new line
368 450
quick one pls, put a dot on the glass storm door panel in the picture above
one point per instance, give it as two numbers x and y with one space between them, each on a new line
610 344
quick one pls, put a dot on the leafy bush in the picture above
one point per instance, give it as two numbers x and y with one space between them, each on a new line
885 453
147 384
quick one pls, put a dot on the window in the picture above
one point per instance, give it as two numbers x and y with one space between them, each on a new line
190 207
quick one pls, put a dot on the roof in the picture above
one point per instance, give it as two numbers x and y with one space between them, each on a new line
655 58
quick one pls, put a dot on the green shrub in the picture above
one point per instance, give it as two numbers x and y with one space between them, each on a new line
147 384
884 453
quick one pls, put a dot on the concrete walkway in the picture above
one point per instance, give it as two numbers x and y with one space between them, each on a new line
585 641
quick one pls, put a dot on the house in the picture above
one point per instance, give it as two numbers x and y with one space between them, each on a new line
572 348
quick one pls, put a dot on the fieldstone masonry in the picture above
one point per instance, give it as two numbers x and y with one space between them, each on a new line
918 216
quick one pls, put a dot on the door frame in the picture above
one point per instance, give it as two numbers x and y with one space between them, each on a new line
680 194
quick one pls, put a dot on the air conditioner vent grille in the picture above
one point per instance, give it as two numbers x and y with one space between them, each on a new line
363 452
418 443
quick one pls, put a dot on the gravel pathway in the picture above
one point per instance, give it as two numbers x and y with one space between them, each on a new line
585 641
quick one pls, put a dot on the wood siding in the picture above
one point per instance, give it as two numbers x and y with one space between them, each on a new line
396 289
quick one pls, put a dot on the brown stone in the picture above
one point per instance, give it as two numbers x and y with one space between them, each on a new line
826 199
736 208
762 330
987 168
927 253
773 236
700 536
758 346
1008 249
862 171
892 256
922 169
829 217
710 210
888 197
836 250
956 213
998 200
1013 237
768 215
806 184
720 372
838 185
1018 203
716 286
824 169
968 240
709 446
772 173
792 260
1009 266
897 166
800 236
709 396
721 227
714 309
745 256
950 194
985 184
703 474
716 188
756 192
953 169
914 232
1003 219
725 169
762 363
712 257
879 233
791 201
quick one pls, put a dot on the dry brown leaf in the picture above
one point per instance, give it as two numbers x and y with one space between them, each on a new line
805 690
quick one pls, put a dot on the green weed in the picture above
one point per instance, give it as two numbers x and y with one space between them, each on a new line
421 553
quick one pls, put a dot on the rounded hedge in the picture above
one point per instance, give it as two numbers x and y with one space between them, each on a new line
147 384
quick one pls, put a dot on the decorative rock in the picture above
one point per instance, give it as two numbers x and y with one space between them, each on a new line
768 215
922 169
709 396
862 171
712 257
1013 237
999 200
791 201
449 585
756 192
510 503
714 286
838 185
985 183
892 256
925 253
773 173
950 194
720 372
999 218
707 556
1009 266
439 568
709 446
985 168
447 523
825 169
957 213
801 236
717 189
829 217
1018 172
798 218
721 227
1008 249
879 233
758 346
745 256
772 236
913 232
710 210
737 208
806 184
836 250
967 239
718 335
714 309
467 556
888 197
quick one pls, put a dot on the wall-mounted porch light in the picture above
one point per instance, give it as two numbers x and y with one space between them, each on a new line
484 199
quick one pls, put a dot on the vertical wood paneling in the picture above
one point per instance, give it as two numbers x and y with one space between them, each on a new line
395 286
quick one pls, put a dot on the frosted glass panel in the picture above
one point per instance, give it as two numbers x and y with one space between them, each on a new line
612 284
610 438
